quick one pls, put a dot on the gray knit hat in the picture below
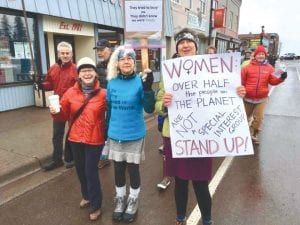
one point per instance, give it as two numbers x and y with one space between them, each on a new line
126 51
119 53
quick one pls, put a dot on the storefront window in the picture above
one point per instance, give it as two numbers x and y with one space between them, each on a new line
114 37
221 46
154 59
15 58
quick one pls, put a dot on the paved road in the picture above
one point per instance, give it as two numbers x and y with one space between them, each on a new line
263 189
56 201
256 190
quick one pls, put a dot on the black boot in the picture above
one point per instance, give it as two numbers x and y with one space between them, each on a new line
53 165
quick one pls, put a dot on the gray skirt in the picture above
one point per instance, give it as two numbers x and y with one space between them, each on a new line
129 151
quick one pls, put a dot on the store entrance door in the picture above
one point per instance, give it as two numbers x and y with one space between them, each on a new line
60 38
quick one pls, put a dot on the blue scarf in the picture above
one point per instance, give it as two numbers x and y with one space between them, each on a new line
86 89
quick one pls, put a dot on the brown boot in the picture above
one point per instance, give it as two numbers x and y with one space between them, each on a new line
180 222
95 214
254 137
84 203
103 162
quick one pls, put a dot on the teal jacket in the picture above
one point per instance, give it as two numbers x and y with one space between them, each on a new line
126 101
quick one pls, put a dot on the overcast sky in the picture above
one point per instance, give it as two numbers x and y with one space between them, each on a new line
281 17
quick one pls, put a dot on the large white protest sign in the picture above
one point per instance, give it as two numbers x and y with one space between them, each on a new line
207 117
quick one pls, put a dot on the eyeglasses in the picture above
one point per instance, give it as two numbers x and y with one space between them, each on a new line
86 71
126 59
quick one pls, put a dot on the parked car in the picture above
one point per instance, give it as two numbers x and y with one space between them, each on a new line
288 56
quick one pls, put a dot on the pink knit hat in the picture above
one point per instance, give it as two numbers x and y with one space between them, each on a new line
259 49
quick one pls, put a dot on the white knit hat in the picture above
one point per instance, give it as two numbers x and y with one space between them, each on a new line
85 62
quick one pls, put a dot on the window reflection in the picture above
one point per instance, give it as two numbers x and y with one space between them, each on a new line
15 59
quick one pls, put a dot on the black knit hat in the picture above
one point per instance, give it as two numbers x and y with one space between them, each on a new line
186 34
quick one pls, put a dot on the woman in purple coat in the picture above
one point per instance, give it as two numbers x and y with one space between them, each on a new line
198 170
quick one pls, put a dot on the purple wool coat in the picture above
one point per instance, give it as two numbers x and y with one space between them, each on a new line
186 168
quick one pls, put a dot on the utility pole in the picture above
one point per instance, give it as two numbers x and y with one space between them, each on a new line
272 56
35 77
262 34
210 20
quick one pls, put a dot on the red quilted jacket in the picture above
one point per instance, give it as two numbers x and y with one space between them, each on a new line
89 127
256 78
60 78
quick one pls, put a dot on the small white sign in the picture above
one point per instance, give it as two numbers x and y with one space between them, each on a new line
22 50
143 16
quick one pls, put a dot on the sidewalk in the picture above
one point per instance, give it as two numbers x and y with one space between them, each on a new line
25 141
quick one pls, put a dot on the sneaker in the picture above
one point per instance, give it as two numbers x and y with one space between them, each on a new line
69 164
161 149
103 163
164 183
120 205
131 210
53 165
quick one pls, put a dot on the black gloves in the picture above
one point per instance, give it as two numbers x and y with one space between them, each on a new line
148 81
283 76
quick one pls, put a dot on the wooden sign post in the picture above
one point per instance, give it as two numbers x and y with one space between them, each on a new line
143 22
144 54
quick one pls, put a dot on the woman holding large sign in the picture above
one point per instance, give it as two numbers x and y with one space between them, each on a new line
198 170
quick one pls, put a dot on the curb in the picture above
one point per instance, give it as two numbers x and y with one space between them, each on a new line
34 164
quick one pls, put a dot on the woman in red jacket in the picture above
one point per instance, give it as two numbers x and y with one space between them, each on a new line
256 77
87 133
